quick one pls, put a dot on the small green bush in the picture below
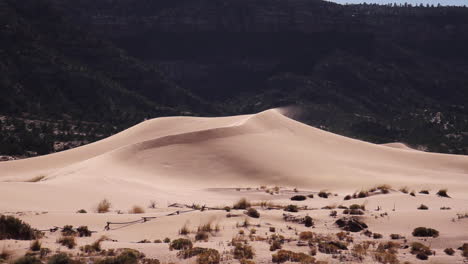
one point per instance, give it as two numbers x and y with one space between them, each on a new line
209 256
167 240
243 251
13 228
181 243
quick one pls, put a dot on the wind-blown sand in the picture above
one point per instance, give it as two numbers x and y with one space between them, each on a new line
202 160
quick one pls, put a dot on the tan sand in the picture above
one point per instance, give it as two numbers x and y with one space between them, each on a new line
202 160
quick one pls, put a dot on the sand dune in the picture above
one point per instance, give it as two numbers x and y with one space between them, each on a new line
183 156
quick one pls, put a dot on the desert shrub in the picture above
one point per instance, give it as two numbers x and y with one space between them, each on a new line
13 228
362 194
417 247
404 189
81 211
310 195
67 241
157 241
127 256
61 258
323 194
352 224
35 245
423 207
449 251
67 230
384 188
306 235
201 235
272 229
286 255
184 230
136 210
167 240
377 236
243 251
424 192
443 193
152 204
353 211
94 247
333 213
412 193
103 206
209 256
241 204
445 208
308 221
464 249
425 232
275 245
298 198
422 256
252 212
83 231
291 208
347 197
386 257
357 206
181 243
331 247
191 252
395 236
4 255
28 260
44 252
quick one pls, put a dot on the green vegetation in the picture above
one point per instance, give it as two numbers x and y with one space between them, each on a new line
13 228
180 244
425 232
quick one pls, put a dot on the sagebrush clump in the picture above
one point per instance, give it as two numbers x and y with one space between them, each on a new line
14 228
425 232
103 206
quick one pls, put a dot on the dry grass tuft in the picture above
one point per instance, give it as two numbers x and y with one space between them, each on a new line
184 230
404 189
136 210
103 206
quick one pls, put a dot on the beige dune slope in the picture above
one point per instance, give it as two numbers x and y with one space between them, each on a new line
178 159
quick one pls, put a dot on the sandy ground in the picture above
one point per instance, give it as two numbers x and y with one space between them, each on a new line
215 162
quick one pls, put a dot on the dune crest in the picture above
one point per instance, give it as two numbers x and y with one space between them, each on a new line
186 155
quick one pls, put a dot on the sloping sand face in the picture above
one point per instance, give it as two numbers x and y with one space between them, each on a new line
179 158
